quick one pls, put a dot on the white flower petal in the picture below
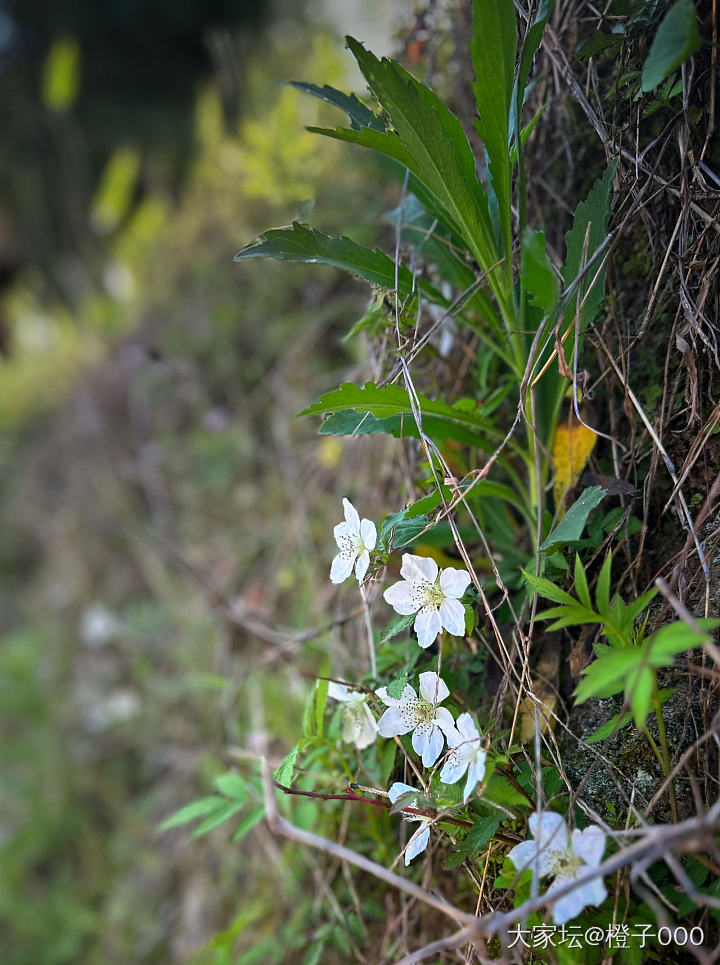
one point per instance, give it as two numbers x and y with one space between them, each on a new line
428 743
417 843
444 720
341 568
397 789
419 569
352 517
401 598
427 626
589 844
341 532
569 906
453 769
549 830
467 728
361 567
454 582
366 729
368 533
340 691
433 688
393 723
452 617
476 772
523 855
594 892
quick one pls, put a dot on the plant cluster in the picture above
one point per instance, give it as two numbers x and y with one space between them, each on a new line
481 541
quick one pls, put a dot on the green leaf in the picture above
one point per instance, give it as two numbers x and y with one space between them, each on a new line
436 150
225 811
321 696
607 675
397 626
574 616
358 114
481 832
398 530
593 211
284 773
493 47
249 822
571 526
396 687
676 638
538 277
301 243
192 811
232 785
641 692
581 584
677 39
530 46
391 400
352 423
602 589
548 590
615 723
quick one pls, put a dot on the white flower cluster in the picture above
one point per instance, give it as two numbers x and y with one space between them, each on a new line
434 595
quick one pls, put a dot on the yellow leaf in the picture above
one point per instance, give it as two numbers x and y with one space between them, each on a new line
571 450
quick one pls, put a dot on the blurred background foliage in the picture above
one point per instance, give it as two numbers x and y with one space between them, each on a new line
161 510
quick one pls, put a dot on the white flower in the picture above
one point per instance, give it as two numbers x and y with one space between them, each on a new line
359 727
466 755
421 715
355 537
552 854
419 841
436 600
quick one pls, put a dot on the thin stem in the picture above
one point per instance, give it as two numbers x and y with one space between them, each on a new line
665 761
369 630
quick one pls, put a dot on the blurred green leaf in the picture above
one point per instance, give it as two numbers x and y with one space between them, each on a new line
192 811
232 785
676 40
249 822
538 277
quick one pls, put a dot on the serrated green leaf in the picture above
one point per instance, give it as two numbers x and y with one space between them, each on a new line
532 41
301 243
358 114
284 773
352 423
594 211
399 530
571 526
437 152
232 785
396 687
391 400
607 675
481 832
192 811
493 47
676 638
581 584
223 813
548 590
397 626
538 277
575 616
249 822
676 40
